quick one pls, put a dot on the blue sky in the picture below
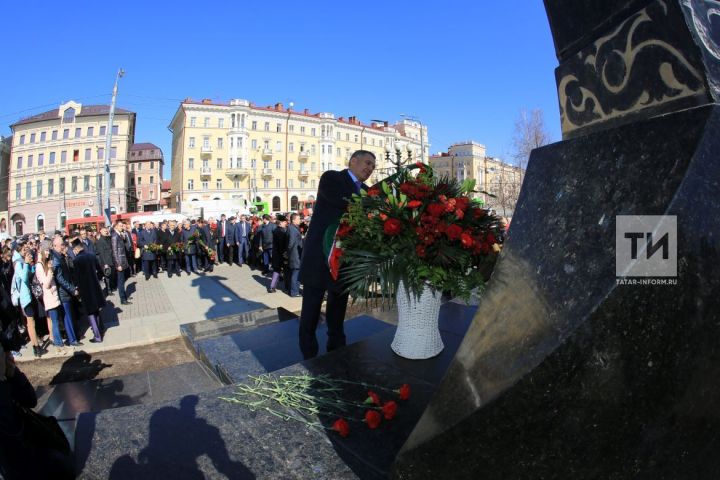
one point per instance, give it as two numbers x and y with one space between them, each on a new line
465 68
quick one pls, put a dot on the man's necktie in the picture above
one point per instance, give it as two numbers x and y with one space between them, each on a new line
358 186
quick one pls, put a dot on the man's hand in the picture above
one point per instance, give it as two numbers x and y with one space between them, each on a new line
119 269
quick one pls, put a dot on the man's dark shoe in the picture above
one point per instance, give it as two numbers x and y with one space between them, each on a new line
125 302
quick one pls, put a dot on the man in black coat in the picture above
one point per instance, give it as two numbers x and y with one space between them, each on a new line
294 242
163 236
103 250
222 229
145 238
120 242
266 242
91 297
242 239
334 191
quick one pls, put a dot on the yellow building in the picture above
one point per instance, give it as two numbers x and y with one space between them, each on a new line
57 162
469 159
241 152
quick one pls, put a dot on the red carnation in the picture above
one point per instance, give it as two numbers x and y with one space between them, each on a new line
459 213
404 391
453 232
407 188
373 398
420 251
414 204
392 226
344 230
466 240
342 427
436 209
373 192
421 166
389 410
478 213
462 203
383 217
372 418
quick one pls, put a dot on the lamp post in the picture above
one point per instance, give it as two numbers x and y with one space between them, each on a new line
287 133
108 146
422 134
399 161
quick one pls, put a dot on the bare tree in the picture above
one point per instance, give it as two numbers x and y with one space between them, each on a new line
530 133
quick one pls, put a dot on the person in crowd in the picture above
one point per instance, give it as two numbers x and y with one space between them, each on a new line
103 251
43 240
146 238
255 244
207 238
163 237
279 250
51 300
91 297
190 247
23 265
120 242
334 192
66 288
223 227
266 243
173 258
87 241
242 239
294 247
231 240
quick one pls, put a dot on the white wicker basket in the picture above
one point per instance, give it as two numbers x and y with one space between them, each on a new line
417 336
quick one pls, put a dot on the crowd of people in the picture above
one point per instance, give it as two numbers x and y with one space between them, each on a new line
50 284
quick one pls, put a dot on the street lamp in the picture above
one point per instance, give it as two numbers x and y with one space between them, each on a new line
422 134
399 160
108 146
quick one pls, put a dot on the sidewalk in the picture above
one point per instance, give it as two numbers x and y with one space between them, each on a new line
160 306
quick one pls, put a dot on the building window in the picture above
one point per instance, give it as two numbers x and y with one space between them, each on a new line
43 136
191 164
236 184
113 152
253 144
254 125
112 180
218 183
220 143
139 181
278 127
103 129
206 122
152 180
356 138
88 154
18 189
291 147
76 155
278 146
139 166
40 222
291 164
28 190
99 182
152 193
277 165
312 166
338 153
53 135
191 184
277 183
152 165
206 142
219 163
132 181
30 161
22 139
115 130
205 185
61 185
100 153
276 204
292 128
86 183
221 123
63 219
192 121
205 163
91 131
312 149
32 138
73 185
41 159
347 137
69 115
66 134
87 213
312 132
52 158
191 142
290 183
63 156
19 163
78 132
51 186
267 126
312 183
302 130
39 188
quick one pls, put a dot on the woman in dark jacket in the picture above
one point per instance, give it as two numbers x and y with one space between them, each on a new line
279 249
92 299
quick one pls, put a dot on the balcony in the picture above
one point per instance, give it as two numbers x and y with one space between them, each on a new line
267 153
303 173
237 172
303 156
267 172
205 171
206 151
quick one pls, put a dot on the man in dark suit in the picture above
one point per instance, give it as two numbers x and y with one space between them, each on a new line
294 243
334 191
88 245
242 239
222 229
147 237
230 240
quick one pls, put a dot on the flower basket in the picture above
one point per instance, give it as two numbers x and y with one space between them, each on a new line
417 336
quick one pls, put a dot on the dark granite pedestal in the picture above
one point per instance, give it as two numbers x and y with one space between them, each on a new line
202 436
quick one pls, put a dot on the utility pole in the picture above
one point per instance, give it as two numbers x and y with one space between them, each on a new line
108 147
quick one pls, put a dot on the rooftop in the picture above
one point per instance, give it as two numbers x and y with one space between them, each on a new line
85 111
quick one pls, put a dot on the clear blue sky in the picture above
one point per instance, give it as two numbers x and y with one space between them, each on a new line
465 68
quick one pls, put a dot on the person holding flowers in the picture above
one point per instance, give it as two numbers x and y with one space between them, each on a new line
146 238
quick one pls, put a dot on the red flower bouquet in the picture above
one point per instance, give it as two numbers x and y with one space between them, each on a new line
419 228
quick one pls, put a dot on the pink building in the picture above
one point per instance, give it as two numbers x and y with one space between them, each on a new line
145 166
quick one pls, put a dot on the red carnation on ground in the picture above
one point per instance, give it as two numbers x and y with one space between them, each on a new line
466 240
373 192
373 398
435 209
389 409
392 226
342 427
414 204
453 232
372 418
404 391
